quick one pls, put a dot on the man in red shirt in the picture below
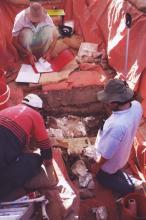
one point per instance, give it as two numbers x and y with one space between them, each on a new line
19 125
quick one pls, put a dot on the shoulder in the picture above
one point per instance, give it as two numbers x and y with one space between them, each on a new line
136 106
28 109
35 116
49 21
136 103
20 15
32 110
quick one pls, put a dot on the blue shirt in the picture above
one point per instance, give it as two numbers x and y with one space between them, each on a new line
114 142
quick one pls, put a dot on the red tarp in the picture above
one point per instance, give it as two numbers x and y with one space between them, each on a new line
102 22
7 14
97 21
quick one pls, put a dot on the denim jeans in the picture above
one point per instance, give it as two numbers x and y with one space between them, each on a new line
14 176
119 182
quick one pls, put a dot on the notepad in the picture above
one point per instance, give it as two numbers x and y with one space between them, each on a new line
43 66
87 49
27 75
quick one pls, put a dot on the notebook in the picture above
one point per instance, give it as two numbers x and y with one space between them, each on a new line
43 66
28 75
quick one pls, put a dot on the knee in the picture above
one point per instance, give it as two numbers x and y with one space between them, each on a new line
48 33
25 36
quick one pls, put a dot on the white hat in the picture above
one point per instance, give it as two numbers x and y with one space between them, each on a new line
33 100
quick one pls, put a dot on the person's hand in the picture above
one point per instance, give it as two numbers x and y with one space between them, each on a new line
94 168
51 175
15 54
31 59
47 56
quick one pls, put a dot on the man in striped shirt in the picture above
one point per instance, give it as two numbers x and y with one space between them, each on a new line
19 125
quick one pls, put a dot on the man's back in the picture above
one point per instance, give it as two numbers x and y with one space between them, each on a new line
22 117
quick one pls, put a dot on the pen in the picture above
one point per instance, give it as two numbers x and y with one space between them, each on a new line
35 69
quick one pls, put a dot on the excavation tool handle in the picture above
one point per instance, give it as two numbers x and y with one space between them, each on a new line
128 18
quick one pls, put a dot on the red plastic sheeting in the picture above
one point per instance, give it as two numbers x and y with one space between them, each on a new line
141 134
79 79
140 147
7 13
106 22
9 57
103 197
98 21
142 93
66 197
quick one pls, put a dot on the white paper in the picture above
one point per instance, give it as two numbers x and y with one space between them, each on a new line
16 217
27 75
43 66
87 49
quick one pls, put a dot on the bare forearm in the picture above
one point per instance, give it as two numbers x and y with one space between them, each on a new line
23 51
51 48
51 174
100 161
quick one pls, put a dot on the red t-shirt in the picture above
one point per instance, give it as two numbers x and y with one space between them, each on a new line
23 120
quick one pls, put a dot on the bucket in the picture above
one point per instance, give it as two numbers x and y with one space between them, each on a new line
139 207
63 58
4 95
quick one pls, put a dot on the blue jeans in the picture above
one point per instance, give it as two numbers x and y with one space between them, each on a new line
16 167
119 182
15 175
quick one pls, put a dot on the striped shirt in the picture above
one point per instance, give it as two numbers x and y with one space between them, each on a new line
26 124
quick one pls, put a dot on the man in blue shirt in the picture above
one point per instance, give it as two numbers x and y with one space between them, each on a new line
114 141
